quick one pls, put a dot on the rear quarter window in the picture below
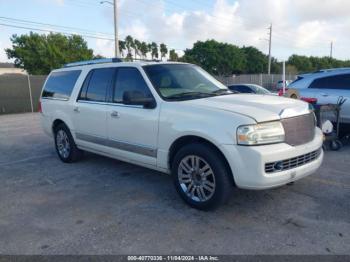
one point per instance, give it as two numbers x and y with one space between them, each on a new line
60 84
341 81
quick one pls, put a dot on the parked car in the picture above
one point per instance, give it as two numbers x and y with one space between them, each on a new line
279 84
249 88
326 86
176 118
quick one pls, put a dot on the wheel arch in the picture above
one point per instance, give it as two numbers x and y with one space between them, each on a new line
57 122
188 139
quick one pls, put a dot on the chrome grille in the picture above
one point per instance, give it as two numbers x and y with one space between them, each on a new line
300 129
290 163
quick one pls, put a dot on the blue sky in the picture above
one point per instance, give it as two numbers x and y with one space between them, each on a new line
301 26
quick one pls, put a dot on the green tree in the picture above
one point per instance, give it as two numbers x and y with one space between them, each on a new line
122 47
216 57
129 44
154 50
137 47
39 54
163 50
173 56
144 49
256 61
302 63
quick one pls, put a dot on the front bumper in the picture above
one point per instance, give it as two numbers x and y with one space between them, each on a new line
248 163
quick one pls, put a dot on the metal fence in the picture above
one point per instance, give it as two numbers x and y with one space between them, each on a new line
20 93
267 81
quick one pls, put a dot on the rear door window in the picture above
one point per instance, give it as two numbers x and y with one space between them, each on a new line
96 85
332 82
60 84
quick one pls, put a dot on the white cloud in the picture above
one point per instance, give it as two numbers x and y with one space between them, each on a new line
104 48
322 10
3 45
299 26
3 56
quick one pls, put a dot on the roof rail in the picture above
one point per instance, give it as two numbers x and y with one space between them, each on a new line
94 61
142 60
331 69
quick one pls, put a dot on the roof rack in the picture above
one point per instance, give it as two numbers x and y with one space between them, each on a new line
142 60
94 61
331 70
108 60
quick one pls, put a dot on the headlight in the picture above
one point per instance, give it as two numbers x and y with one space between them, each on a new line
259 134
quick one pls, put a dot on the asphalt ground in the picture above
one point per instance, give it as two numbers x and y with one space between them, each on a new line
104 206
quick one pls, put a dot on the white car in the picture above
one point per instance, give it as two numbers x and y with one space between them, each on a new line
176 118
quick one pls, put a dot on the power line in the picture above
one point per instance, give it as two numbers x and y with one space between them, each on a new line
52 31
71 34
52 25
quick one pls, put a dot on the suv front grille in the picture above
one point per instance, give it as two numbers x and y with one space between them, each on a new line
290 163
300 129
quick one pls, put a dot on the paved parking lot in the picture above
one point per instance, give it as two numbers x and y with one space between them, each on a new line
104 206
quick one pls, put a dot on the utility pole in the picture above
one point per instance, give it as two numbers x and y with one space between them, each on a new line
270 37
331 54
116 40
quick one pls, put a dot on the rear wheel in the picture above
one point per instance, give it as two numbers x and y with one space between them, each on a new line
201 177
65 146
336 145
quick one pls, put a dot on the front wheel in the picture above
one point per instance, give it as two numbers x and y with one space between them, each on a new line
65 146
201 176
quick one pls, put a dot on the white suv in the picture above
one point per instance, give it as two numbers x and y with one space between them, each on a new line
176 118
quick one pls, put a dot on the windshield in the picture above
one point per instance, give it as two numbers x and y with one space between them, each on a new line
183 81
260 90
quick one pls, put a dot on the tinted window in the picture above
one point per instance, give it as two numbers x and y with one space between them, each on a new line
332 82
60 84
98 84
129 79
82 95
241 89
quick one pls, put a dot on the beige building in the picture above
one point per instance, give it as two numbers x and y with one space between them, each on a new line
8 68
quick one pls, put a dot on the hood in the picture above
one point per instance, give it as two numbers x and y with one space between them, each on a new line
261 108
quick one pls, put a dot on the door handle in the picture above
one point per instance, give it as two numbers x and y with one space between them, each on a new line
76 109
115 114
324 94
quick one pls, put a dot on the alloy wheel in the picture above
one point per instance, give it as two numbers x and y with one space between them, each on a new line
196 178
62 143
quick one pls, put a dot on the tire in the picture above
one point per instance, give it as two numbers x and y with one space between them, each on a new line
210 187
65 146
336 145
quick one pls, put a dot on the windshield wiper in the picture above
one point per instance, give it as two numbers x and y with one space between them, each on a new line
190 94
224 92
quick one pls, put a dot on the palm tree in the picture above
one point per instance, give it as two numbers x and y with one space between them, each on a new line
163 50
122 47
137 47
154 50
149 46
144 49
129 43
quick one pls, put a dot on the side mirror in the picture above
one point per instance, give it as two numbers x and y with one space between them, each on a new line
138 98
